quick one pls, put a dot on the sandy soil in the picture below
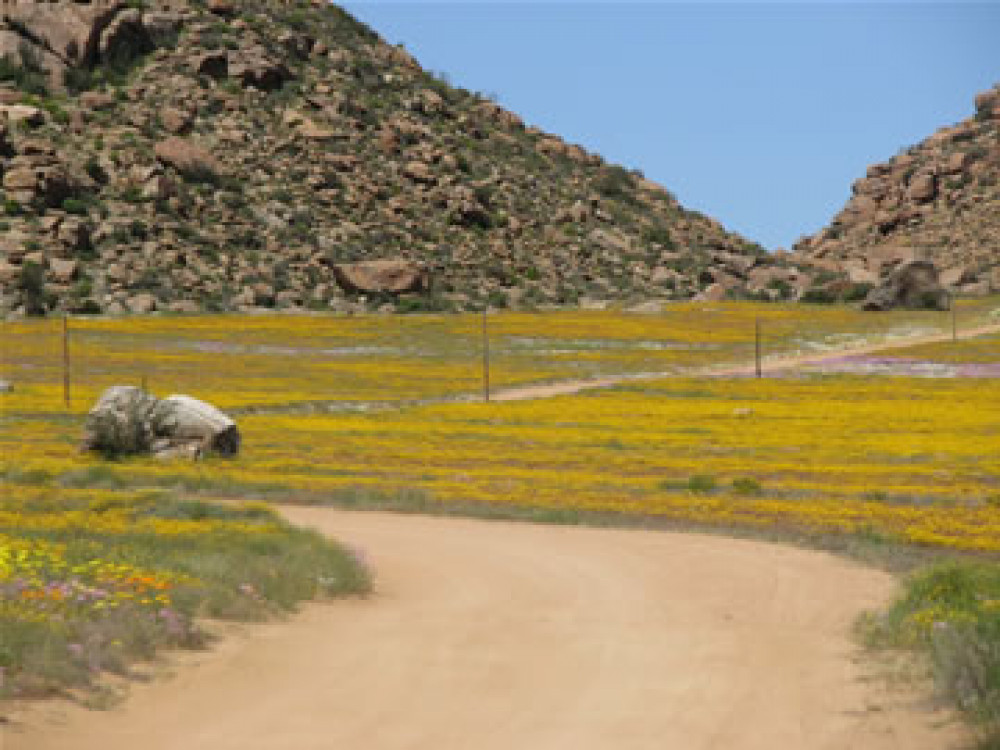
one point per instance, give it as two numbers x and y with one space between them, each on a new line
770 364
495 636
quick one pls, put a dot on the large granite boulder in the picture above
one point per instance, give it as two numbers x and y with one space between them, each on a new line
382 276
914 286
187 158
126 420
70 31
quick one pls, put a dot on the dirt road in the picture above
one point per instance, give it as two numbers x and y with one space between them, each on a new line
770 365
502 636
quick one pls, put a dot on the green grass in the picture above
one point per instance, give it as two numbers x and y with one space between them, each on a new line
951 612
224 561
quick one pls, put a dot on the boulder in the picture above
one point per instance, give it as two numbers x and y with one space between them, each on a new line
22 114
142 303
988 102
176 120
914 286
188 421
95 100
922 188
418 171
63 271
186 158
126 420
70 31
125 37
396 276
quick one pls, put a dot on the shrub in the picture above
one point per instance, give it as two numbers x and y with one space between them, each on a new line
782 287
702 483
28 75
74 206
950 611
659 235
127 429
818 295
95 171
857 292
32 286
746 486
615 182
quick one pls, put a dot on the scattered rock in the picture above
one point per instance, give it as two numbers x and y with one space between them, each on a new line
96 100
63 271
142 303
22 114
176 120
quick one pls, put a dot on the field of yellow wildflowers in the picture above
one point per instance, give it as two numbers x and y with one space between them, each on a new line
100 562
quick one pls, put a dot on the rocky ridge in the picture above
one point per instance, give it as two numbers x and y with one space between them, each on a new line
233 155
937 201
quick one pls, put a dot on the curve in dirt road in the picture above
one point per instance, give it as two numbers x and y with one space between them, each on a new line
496 635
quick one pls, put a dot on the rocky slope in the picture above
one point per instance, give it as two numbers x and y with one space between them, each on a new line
937 201
233 154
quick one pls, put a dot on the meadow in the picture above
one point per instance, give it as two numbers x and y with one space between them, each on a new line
384 412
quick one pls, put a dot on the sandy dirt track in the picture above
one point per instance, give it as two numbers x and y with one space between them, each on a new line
770 365
502 636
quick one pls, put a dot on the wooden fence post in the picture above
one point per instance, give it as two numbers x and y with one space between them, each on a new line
486 359
65 349
756 338
954 319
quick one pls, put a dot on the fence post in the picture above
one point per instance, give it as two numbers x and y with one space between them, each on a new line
65 351
486 359
756 339
954 316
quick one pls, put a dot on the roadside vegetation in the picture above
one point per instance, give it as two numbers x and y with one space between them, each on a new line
92 581
375 413
951 611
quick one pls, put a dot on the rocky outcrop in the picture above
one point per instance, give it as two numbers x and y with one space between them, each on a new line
264 154
59 37
937 201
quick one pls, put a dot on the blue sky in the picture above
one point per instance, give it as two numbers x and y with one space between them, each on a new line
760 115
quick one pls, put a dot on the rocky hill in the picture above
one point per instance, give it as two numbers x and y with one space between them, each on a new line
937 201
236 154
